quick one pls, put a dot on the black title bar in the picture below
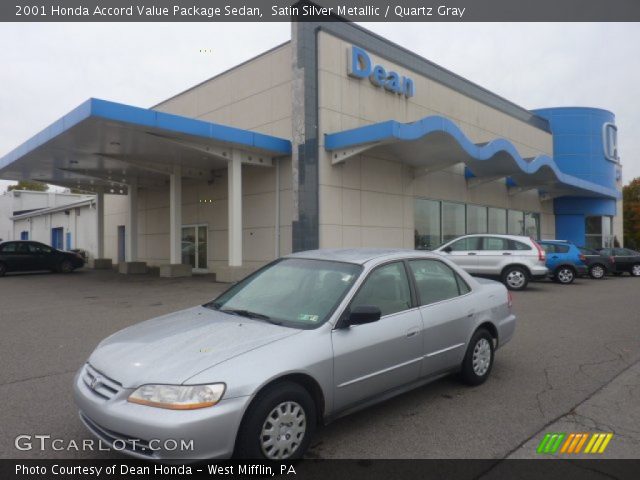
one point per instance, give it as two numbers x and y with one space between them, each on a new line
321 10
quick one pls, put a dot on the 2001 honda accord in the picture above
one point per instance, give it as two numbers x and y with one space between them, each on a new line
307 338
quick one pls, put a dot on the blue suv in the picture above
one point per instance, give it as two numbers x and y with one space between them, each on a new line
564 260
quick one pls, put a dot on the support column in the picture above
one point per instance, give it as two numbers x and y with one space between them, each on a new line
131 232
175 215
131 264
235 210
100 263
175 268
100 224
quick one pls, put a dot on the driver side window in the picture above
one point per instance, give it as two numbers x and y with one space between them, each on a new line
387 288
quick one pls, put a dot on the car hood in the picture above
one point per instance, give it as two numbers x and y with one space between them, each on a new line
175 347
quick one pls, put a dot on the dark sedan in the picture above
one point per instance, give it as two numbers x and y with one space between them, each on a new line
598 263
626 260
26 256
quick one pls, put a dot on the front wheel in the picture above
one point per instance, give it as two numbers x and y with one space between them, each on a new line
65 267
279 425
478 360
597 271
515 278
565 275
635 270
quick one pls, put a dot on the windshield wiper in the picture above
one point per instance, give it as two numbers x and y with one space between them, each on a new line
249 314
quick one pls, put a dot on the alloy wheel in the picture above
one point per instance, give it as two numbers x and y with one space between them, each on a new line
597 271
283 431
635 270
515 279
481 357
565 275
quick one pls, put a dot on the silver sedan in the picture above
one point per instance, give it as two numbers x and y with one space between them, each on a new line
308 338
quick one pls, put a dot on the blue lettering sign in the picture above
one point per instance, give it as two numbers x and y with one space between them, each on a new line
360 66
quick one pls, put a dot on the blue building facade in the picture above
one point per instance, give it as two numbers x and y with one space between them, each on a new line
585 146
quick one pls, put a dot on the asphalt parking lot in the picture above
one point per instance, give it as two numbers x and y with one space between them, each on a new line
571 344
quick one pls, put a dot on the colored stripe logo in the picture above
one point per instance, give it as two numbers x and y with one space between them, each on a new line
573 443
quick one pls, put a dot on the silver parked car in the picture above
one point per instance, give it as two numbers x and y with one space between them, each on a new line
308 338
513 259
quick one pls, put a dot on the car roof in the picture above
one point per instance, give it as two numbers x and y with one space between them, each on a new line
499 235
360 255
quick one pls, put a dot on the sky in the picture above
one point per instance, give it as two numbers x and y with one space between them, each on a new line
48 69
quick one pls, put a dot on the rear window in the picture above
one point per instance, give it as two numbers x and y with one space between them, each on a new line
8 248
516 245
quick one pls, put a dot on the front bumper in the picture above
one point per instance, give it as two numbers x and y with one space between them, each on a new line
159 434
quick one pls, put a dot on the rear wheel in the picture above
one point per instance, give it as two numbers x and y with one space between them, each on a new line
515 278
565 275
65 267
3 269
478 360
279 425
635 270
597 271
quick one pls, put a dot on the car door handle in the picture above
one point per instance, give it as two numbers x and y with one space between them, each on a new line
554 256
412 332
506 253
471 313
471 253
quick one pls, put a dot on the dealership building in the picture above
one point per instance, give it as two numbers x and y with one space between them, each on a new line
336 138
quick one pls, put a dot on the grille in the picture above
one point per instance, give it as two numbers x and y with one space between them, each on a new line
100 384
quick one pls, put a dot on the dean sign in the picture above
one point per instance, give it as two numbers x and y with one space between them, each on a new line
360 66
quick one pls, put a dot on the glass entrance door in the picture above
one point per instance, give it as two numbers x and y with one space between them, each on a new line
194 246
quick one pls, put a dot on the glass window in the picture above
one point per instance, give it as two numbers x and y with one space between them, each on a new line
427 224
593 225
463 287
465 244
476 219
39 248
598 231
453 220
435 281
497 220
387 288
9 248
515 222
495 243
296 292
562 248
532 225
515 245
548 247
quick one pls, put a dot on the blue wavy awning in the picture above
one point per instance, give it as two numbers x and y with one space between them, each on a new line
436 142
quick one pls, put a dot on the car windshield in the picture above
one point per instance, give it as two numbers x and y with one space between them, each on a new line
293 292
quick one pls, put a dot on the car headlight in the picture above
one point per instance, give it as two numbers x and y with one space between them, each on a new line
178 397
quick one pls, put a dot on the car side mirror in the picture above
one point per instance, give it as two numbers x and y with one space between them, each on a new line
447 249
362 314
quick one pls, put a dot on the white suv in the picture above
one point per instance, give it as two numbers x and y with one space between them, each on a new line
513 259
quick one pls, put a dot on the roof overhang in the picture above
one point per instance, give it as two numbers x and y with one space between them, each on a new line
435 143
104 146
